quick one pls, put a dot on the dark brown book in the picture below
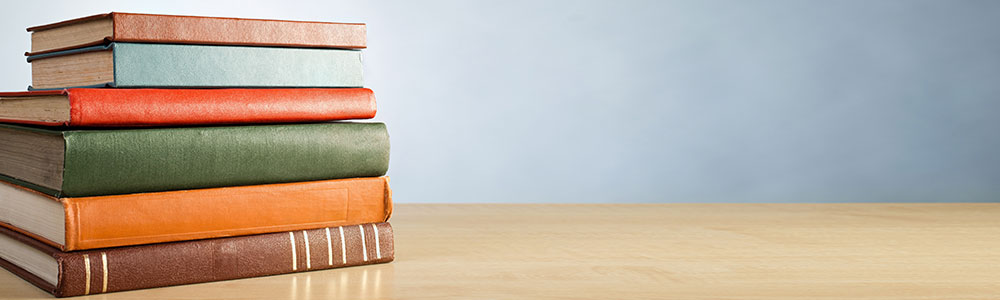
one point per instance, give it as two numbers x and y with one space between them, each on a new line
108 270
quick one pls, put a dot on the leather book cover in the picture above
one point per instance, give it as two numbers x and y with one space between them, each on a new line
146 218
172 107
148 266
135 65
172 29
126 161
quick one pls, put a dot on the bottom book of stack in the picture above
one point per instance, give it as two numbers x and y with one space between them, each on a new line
155 265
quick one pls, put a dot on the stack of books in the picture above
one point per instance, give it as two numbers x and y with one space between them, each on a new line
156 150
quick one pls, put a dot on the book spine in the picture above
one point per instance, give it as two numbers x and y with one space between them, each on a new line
169 65
232 31
164 107
147 218
139 267
109 162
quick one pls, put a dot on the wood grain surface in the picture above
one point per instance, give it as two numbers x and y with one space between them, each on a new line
666 251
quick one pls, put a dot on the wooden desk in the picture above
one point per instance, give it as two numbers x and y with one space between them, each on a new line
682 251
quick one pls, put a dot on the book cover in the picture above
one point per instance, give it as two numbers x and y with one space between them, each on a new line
85 162
146 218
65 274
134 65
80 107
154 28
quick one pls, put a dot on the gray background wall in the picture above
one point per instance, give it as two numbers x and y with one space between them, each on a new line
657 101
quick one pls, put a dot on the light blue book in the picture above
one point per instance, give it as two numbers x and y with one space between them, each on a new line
134 65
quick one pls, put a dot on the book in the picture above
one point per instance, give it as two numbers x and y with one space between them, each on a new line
88 272
85 162
146 218
172 107
135 65
151 28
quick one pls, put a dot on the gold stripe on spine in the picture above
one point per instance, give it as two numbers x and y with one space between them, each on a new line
291 237
329 248
378 248
86 264
305 238
343 248
364 248
104 265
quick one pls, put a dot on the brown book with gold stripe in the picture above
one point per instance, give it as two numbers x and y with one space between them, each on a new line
138 267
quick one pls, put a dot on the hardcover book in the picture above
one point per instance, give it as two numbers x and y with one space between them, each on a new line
150 28
135 65
65 274
171 107
146 218
77 163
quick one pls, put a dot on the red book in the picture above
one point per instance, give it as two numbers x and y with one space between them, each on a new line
171 107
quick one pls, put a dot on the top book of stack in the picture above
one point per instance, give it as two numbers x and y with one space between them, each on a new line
148 28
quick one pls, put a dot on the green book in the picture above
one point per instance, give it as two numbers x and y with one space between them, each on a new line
76 163
169 65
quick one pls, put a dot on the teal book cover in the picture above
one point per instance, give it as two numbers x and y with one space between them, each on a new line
136 65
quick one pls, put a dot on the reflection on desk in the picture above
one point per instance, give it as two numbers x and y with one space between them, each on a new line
362 282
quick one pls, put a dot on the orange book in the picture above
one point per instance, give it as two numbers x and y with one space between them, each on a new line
146 218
